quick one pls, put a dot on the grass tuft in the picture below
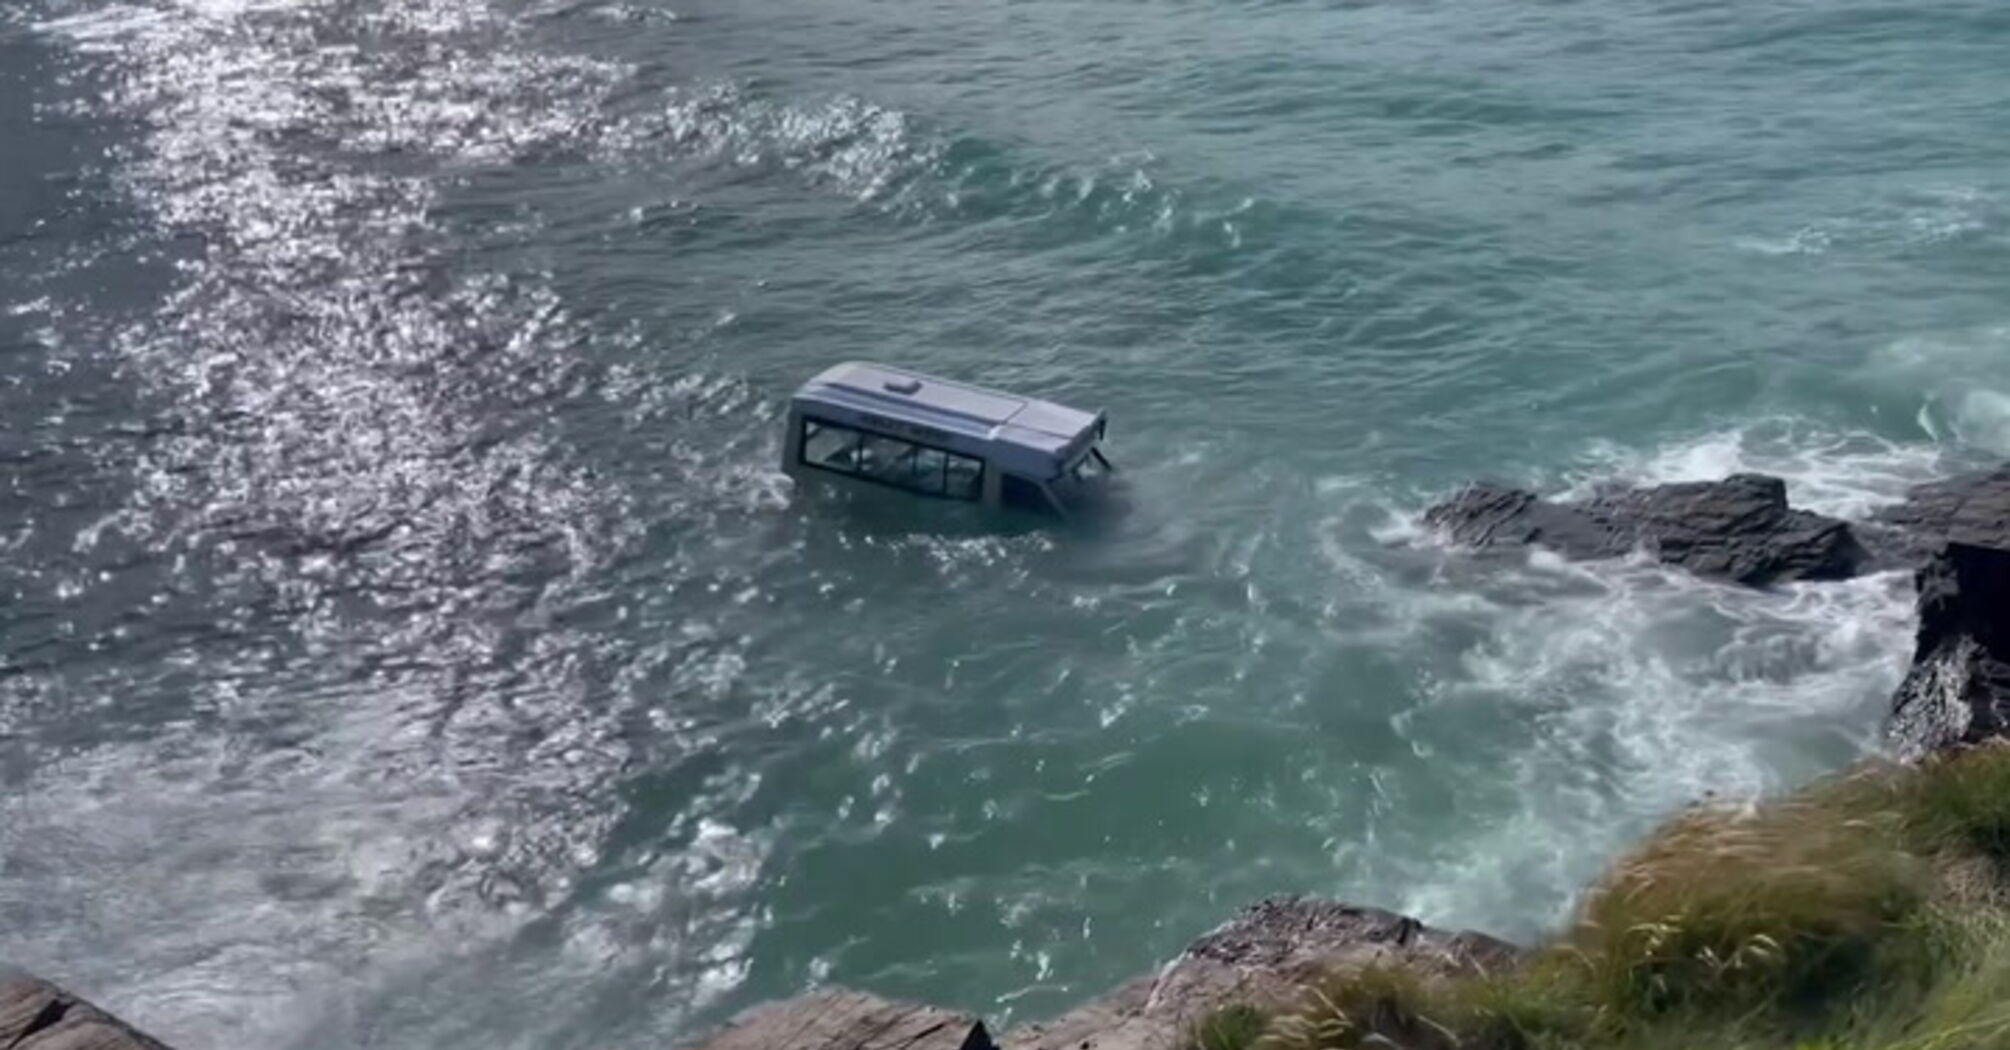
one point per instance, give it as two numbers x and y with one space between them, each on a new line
1778 911
1961 802
1377 1005
1234 1027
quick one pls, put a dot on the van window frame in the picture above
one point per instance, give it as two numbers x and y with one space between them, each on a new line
802 442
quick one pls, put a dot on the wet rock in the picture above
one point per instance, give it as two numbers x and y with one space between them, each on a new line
37 1015
1958 689
1739 529
1265 955
1972 509
839 1019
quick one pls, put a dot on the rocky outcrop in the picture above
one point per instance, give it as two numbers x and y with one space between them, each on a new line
37 1015
1956 533
1958 690
1971 508
840 1019
1266 954
1739 529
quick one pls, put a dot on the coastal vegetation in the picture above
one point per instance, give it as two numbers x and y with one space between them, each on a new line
1869 911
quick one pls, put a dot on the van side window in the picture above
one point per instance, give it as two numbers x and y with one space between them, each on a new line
966 477
888 459
931 471
891 461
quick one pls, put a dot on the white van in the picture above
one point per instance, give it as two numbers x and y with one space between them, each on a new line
860 423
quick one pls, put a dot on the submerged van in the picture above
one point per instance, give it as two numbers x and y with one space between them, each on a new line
861 423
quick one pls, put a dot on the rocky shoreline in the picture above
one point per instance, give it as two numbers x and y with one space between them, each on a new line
1954 535
1740 529
1263 955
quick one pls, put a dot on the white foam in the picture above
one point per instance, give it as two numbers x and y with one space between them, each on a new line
1982 418
1808 240
1649 691
1635 688
1906 219
1841 473
1959 377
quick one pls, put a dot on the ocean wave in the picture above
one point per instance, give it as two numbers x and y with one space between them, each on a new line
1964 401
1625 689
1924 217
862 150
1644 690
1832 471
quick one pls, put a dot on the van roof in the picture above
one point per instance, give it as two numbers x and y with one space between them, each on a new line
1024 435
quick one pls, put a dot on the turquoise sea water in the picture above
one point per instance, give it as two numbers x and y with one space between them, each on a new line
407 640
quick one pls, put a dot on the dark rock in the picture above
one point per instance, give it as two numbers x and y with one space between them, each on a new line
1741 529
37 1015
1972 508
1265 955
1485 514
839 1019
1958 690
1738 529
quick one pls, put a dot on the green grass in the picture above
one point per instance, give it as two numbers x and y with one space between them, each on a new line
1232 1027
1961 803
1867 912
